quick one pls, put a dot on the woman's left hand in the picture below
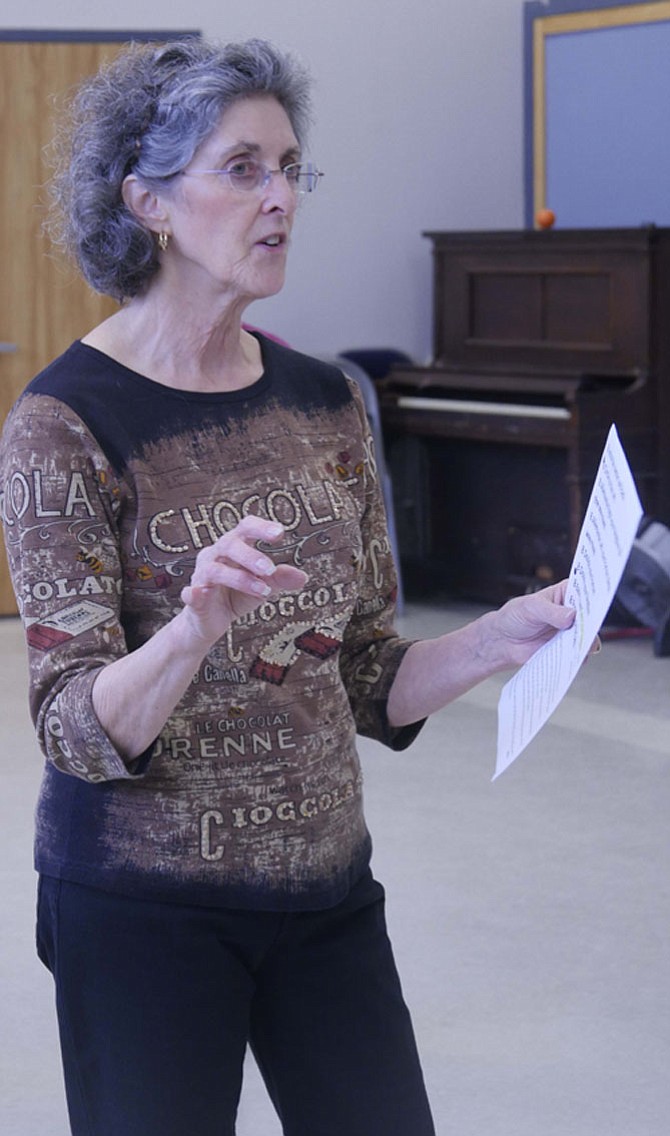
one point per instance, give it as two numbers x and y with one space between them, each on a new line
525 623
434 672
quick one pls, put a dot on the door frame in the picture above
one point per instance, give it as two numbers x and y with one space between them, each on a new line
91 35
69 40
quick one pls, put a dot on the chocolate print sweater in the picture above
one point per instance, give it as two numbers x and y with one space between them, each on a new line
251 795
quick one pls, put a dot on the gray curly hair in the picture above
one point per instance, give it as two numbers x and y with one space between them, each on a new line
147 112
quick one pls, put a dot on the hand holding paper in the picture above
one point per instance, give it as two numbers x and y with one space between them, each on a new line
609 528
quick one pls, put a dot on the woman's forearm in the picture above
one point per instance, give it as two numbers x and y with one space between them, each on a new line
434 672
134 696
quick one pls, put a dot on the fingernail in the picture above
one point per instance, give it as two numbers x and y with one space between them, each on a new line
260 588
264 566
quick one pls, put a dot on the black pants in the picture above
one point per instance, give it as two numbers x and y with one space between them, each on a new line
156 1003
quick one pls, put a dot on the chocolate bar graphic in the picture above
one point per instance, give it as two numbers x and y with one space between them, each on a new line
67 624
318 644
267 671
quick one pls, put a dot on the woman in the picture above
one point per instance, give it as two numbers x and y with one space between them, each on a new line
199 552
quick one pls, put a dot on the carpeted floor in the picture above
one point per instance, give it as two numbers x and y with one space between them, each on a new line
530 916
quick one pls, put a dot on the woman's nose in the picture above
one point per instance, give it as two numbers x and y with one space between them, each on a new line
278 193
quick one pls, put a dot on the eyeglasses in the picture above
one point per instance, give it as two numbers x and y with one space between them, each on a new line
247 174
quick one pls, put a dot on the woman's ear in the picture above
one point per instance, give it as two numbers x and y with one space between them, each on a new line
144 204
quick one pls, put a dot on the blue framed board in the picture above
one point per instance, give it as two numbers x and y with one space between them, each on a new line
597 96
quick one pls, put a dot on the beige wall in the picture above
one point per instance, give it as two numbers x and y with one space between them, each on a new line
419 126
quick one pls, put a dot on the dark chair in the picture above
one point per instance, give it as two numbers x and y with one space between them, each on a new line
377 361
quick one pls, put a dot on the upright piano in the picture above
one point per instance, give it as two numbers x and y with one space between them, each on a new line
541 340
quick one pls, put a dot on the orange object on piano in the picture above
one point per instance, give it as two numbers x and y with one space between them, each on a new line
545 218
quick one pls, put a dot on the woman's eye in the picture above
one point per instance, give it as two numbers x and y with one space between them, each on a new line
242 167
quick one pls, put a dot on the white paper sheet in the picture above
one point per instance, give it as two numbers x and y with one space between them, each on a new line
611 522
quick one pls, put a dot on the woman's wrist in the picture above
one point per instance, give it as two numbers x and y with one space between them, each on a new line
191 638
492 647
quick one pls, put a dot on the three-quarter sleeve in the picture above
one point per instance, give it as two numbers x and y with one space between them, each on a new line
61 502
372 650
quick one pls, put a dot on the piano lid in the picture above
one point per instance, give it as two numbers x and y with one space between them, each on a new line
539 388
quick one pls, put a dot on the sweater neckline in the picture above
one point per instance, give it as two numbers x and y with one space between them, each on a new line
242 394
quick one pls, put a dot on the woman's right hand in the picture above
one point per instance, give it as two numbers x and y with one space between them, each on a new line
232 578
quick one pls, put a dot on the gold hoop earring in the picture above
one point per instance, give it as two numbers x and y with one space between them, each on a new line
163 241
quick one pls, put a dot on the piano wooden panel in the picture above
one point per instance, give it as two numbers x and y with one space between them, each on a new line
541 341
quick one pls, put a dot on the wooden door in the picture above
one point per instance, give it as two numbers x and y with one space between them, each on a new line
44 303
